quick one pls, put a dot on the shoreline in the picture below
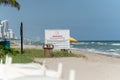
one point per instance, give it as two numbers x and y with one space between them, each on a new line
96 52
97 57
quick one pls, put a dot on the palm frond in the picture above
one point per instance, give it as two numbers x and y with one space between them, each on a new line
13 3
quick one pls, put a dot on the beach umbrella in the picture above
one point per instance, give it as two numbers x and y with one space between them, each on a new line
72 39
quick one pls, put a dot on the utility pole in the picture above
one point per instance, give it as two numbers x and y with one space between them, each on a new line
21 35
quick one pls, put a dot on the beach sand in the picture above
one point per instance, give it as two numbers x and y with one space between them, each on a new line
28 46
93 67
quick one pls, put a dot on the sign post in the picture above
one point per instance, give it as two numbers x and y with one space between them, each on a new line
21 35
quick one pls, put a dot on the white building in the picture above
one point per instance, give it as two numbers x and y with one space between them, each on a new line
4 31
5 28
11 34
1 29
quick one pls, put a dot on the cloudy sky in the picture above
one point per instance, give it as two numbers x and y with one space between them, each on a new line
86 19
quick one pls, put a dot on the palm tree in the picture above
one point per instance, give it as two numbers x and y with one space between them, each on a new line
13 3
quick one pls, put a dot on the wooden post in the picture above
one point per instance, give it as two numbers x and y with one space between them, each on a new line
21 35
72 75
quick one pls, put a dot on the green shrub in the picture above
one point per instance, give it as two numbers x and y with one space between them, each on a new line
3 50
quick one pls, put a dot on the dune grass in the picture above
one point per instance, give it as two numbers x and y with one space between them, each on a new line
66 54
30 54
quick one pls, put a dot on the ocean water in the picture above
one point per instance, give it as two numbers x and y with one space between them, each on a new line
102 47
